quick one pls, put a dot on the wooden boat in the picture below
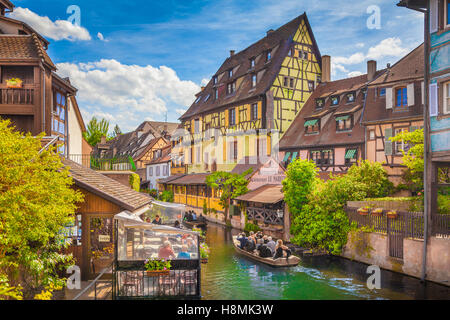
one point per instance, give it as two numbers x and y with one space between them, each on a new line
280 262
194 224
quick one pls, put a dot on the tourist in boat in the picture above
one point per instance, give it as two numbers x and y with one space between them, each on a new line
264 251
157 220
259 235
259 242
280 249
265 239
271 244
166 251
177 224
250 246
194 216
242 240
188 216
183 253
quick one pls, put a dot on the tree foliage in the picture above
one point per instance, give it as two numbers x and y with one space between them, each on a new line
116 131
95 130
231 185
319 219
135 182
36 202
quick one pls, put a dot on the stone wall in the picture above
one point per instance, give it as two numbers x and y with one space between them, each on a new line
375 251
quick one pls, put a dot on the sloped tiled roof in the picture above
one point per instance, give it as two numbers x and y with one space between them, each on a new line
106 187
264 194
296 136
23 47
277 41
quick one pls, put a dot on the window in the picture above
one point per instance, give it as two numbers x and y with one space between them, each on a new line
150 171
311 85
288 82
215 80
232 117
290 52
447 13
344 123
157 171
254 111
351 156
253 80
216 94
400 145
401 97
334 100
198 99
350 97
322 157
303 55
320 103
312 126
252 63
207 97
198 155
196 125
371 134
235 150
268 55
446 105
382 92
230 73
231 87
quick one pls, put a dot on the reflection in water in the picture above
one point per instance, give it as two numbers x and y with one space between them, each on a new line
230 276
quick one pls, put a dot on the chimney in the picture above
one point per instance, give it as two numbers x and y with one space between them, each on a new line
103 140
326 68
232 53
269 32
203 88
371 69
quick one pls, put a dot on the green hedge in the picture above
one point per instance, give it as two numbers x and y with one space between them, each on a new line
135 181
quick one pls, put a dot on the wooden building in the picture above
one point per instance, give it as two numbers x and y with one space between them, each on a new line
394 104
92 233
328 129
252 99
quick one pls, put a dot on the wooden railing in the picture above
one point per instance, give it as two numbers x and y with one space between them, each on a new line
269 216
23 96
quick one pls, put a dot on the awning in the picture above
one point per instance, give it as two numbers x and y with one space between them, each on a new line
294 155
311 122
286 156
265 194
350 154
342 118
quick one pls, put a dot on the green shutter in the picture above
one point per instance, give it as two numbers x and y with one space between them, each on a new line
286 156
387 142
388 133
294 155
350 154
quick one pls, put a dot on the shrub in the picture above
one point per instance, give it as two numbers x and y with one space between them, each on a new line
166 196
135 181
251 227
205 208
373 176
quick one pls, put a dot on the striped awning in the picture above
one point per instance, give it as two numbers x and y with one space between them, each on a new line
342 118
294 156
350 154
286 156
311 122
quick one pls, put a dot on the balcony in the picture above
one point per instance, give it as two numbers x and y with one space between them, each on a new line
104 164
15 96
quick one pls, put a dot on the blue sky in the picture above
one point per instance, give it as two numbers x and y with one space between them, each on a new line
151 57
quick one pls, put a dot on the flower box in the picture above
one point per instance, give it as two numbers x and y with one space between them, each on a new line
204 260
392 214
363 211
14 83
157 273
378 212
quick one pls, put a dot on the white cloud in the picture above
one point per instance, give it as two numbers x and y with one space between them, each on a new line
360 45
180 111
354 74
58 30
129 89
204 82
101 37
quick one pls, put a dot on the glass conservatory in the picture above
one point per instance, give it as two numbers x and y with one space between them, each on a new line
167 211
154 261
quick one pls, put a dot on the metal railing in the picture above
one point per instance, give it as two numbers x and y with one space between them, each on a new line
104 164
94 283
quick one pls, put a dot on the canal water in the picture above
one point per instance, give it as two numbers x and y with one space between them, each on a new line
231 276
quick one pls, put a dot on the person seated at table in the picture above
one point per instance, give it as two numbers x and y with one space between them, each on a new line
280 249
242 240
177 224
148 220
183 254
264 251
190 244
157 220
166 251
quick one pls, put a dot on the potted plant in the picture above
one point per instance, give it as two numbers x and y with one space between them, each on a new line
14 83
101 258
392 214
364 211
201 233
377 212
204 253
157 267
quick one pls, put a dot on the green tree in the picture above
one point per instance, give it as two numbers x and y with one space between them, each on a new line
166 196
232 185
95 130
116 132
36 202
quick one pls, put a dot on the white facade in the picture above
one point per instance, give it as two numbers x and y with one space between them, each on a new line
157 171
75 133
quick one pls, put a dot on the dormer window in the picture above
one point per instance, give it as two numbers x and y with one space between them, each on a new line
268 55
350 97
334 100
253 80
312 126
252 63
344 123
311 86
198 99
207 97
216 94
288 82
215 80
401 97
290 52
231 87
303 55
230 73
382 92
320 103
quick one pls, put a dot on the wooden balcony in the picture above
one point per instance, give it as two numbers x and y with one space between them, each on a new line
14 96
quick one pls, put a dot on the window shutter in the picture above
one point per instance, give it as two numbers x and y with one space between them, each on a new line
387 142
410 93
388 98
422 92
226 118
434 14
433 100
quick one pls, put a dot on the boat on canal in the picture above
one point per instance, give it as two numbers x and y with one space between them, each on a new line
194 224
292 261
